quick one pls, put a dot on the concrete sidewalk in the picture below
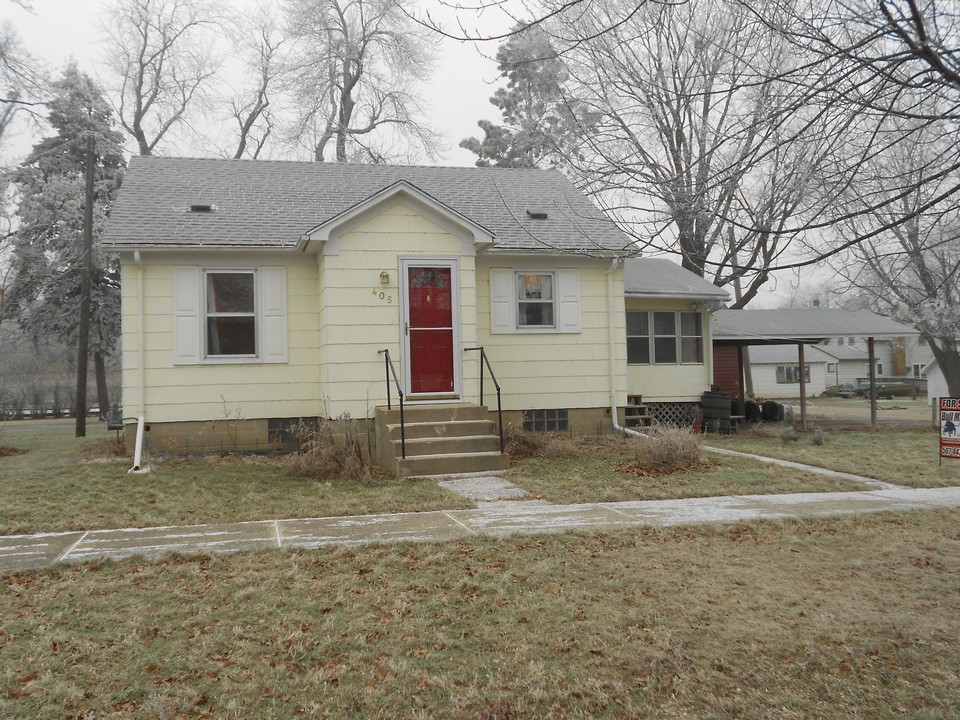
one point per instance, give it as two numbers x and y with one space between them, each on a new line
21 552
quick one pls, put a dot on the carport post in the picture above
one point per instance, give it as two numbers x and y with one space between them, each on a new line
803 389
741 380
872 359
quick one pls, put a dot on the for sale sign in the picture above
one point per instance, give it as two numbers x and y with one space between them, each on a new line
950 428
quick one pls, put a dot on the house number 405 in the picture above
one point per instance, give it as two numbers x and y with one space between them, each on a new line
381 295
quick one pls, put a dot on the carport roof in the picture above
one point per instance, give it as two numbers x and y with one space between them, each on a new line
807 325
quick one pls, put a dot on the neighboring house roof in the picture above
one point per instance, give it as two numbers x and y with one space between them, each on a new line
266 203
768 354
758 327
845 352
661 278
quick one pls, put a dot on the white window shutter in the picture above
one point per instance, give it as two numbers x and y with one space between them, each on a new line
502 300
273 311
187 333
568 300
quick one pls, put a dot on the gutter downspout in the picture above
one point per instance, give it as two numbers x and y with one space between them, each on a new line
141 375
612 351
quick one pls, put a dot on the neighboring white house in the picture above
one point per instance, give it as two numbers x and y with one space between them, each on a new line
776 370
256 292
936 382
848 364
896 356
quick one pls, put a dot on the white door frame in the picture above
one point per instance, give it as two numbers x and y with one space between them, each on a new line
437 262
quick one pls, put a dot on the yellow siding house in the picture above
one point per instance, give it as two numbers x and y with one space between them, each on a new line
259 292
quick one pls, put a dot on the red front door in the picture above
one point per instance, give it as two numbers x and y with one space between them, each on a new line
430 329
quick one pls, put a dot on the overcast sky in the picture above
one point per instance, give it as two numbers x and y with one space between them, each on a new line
458 93
464 79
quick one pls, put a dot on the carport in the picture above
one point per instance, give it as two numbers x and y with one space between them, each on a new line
741 328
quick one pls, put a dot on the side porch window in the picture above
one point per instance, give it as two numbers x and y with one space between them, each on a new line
664 338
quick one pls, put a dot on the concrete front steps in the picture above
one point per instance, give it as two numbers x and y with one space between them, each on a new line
443 439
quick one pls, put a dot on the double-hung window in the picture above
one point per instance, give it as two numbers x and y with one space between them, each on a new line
638 338
229 315
664 338
231 312
535 300
691 337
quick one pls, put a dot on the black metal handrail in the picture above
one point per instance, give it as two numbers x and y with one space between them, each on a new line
390 370
486 361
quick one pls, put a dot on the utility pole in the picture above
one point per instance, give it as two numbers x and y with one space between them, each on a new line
86 270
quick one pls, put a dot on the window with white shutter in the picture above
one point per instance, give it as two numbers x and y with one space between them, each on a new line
229 315
534 301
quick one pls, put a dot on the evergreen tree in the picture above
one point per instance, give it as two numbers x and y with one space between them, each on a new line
541 126
48 249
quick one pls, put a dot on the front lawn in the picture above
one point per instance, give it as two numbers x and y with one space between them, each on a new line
64 483
830 618
600 474
908 458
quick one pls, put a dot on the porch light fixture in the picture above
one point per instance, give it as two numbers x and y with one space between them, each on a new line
384 278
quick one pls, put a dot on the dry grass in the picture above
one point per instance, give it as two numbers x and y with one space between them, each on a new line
822 619
902 457
604 470
65 483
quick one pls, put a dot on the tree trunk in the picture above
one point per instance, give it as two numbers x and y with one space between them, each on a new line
83 330
949 362
103 398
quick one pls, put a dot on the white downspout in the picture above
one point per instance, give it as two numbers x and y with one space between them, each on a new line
611 330
141 374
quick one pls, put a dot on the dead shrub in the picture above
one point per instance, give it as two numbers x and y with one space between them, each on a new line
331 449
665 450
521 444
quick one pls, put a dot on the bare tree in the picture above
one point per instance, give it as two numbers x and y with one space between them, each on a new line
699 148
353 73
161 54
874 63
912 269
23 81
258 41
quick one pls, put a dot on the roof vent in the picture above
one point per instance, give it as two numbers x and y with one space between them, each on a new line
537 214
201 207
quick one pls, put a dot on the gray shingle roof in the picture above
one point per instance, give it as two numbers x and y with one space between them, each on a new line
845 352
653 277
263 203
807 325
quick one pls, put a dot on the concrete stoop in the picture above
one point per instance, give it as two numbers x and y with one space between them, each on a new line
441 440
